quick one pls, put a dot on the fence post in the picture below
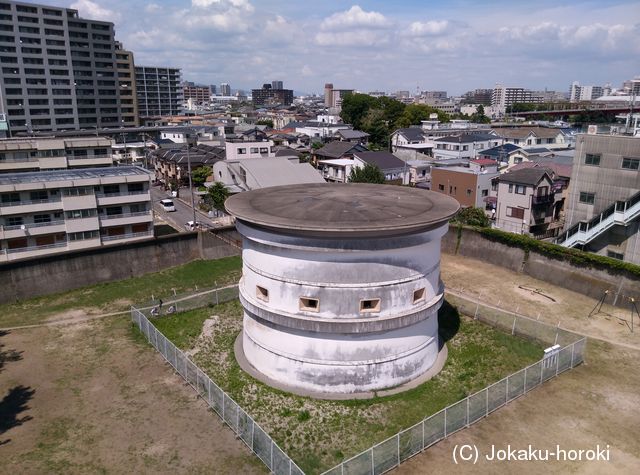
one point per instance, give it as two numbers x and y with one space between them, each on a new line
524 386
445 422
573 345
513 328
467 411
373 465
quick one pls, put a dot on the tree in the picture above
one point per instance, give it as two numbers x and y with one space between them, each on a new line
415 113
367 174
472 217
200 175
355 107
267 122
479 116
375 125
218 194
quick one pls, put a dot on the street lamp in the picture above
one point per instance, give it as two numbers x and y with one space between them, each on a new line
191 140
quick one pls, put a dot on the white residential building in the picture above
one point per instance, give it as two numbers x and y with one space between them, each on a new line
240 150
464 146
43 213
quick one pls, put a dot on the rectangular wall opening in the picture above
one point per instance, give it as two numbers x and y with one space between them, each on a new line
369 305
418 295
309 304
262 293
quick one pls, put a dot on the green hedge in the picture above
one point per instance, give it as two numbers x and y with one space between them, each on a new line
554 251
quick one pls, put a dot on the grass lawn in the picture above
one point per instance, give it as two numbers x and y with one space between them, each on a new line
117 296
319 434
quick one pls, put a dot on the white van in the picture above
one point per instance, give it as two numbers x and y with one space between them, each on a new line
167 205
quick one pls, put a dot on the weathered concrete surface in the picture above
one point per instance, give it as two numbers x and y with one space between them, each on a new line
59 273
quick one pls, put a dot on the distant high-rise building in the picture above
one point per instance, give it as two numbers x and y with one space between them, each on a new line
328 87
127 85
584 93
276 85
478 96
506 96
197 94
159 91
270 95
225 89
58 70
435 95
213 88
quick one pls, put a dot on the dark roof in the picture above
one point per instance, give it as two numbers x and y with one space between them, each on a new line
287 152
505 149
526 176
560 169
339 149
384 160
412 133
537 150
352 134
466 138
201 154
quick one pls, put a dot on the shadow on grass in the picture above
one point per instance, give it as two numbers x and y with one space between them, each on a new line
8 355
448 322
14 403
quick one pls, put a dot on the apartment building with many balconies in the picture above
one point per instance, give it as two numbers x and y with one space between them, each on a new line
48 153
159 91
43 213
57 70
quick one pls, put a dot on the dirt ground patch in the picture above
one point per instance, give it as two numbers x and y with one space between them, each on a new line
91 398
593 404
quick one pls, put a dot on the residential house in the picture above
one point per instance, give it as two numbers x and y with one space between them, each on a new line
336 150
528 136
49 212
469 185
171 165
254 173
353 136
411 143
393 169
465 145
526 202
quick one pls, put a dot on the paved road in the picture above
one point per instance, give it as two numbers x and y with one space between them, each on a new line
183 212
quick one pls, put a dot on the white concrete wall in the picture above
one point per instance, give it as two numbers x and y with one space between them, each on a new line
298 348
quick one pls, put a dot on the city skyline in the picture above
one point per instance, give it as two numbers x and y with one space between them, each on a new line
372 45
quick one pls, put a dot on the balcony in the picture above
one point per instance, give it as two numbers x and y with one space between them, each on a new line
32 229
31 206
126 218
105 199
127 236
542 199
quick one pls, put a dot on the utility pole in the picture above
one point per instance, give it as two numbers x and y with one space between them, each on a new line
193 206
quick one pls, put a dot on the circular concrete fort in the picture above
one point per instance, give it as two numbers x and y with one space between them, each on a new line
341 284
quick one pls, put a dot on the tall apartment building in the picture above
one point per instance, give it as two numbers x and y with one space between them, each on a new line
225 89
603 209
277 85
504 97
197 94
159 91
46 153
478 96
269 95
58 71
586 93
127 85
50 212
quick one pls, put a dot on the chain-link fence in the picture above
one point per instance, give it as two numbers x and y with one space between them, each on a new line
175 302
229 411
511 321
390 453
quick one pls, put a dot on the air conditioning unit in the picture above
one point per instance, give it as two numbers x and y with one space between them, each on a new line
592 129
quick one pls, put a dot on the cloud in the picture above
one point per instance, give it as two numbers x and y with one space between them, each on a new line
351 38
89 9
152 8
306 71
429 28
354 17
244 5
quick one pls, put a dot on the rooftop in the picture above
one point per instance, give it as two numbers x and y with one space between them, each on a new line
466 138
526 176
70 174
384 160
342 210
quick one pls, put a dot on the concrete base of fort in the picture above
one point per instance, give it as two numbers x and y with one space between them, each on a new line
321 393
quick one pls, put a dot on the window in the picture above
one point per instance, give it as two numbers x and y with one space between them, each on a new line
588 198
538 141
440 187
484 193
40 195
254 150
262 293
80 213
308 304
510 188
631 163
418 295
369 305
42 218
592 159
135 187
264 150
111 189
521 189
83 235
242 151
14 221
78 191
515 212
615 255
469 191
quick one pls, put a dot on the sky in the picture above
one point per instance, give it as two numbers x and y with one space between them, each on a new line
454 45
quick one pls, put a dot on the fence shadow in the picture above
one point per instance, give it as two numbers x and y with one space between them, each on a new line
7 355
11 406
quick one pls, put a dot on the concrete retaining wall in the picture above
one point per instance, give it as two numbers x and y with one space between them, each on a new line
59 273
588 281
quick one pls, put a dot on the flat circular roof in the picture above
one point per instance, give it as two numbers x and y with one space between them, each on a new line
343 209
